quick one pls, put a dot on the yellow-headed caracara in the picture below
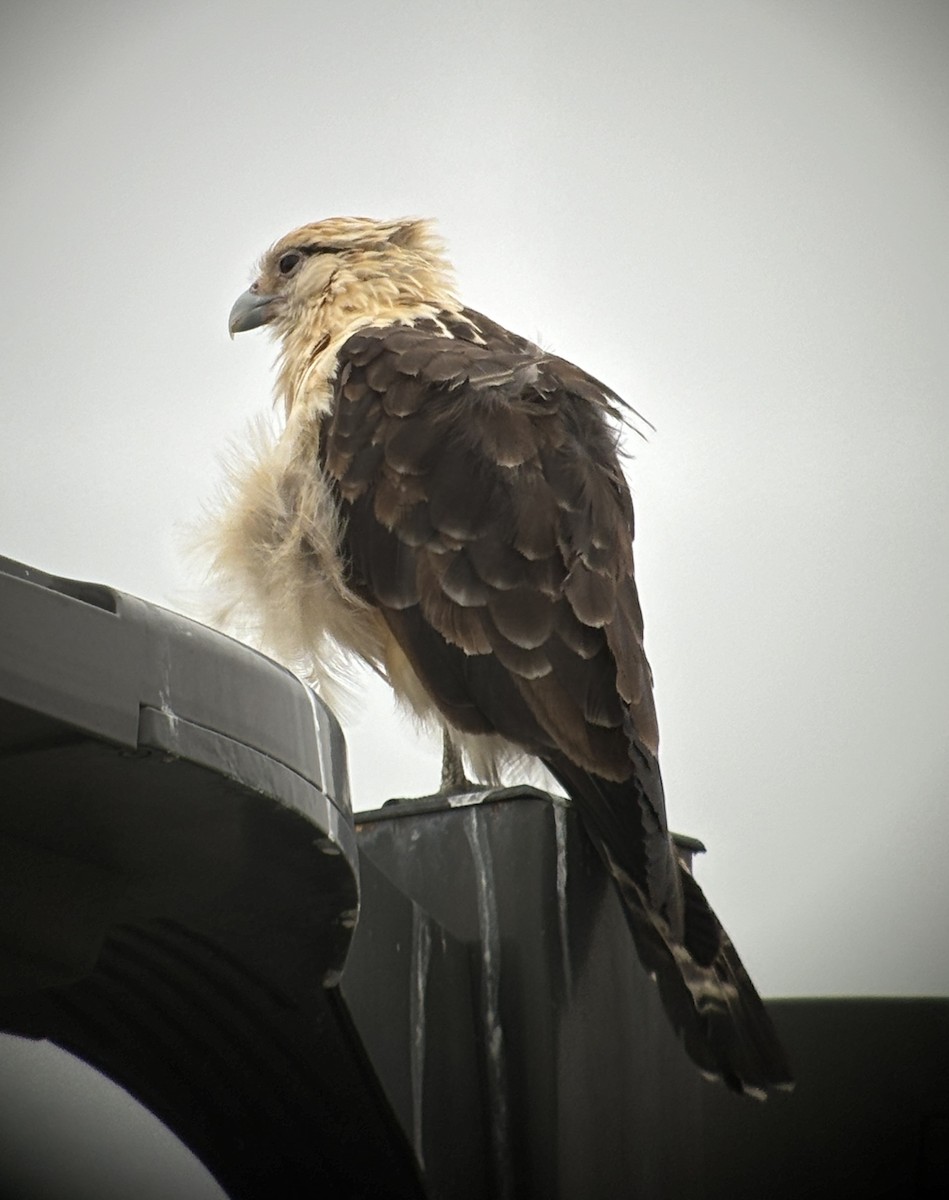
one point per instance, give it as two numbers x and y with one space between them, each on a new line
446 502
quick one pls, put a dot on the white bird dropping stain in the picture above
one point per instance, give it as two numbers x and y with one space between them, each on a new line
560 834
421 957
490 988
164 698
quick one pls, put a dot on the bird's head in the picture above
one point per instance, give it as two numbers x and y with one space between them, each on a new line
336 274
321 283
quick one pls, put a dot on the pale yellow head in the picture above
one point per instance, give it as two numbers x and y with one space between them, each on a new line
319 284
342 268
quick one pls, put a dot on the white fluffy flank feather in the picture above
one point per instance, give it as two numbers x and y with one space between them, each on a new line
275 570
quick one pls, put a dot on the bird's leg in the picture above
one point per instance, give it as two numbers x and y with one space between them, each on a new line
454 778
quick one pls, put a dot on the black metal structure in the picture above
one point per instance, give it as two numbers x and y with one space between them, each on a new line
563 1079
435 999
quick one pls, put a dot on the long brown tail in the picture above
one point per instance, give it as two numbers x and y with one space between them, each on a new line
706 992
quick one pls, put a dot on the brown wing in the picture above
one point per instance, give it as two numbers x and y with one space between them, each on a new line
480 485
486 516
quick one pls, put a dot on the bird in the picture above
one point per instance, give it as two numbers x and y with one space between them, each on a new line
445 501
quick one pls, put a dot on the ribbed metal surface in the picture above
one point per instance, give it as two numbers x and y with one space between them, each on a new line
262 1089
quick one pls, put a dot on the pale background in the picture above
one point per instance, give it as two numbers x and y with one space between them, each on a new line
735 213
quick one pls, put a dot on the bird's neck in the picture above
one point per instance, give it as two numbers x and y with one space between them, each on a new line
353 300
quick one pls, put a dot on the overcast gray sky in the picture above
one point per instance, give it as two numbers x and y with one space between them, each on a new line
734 213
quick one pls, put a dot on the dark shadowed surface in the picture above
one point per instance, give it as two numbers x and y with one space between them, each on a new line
869 1117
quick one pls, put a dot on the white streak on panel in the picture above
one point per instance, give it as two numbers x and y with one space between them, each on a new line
560 834
421 958
490 992
464 799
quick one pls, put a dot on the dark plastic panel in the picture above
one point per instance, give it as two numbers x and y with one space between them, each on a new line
179 884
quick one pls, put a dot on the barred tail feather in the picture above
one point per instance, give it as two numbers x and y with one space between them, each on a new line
706 991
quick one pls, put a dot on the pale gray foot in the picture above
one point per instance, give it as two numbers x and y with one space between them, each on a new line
457 789
454 779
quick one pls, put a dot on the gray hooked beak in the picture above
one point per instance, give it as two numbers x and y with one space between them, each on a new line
251 309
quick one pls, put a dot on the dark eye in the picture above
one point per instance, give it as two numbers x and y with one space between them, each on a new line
289 262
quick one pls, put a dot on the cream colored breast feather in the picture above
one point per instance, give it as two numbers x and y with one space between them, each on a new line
273 535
